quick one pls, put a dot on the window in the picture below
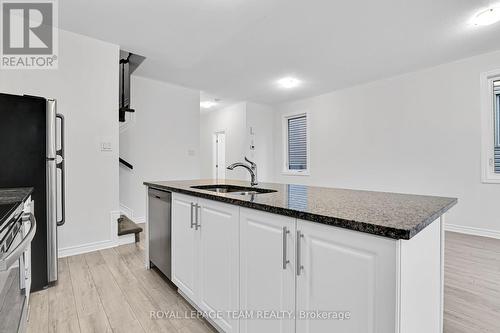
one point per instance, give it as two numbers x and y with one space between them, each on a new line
496 91
296 144
490 114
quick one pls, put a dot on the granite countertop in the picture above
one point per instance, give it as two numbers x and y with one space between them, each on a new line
10 199
392 215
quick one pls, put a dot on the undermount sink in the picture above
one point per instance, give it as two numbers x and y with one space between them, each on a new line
242 190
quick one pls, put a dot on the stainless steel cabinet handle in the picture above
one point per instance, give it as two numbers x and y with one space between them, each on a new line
198 224
192 215
297 254
285 260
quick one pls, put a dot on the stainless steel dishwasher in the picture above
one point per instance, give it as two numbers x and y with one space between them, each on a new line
160 230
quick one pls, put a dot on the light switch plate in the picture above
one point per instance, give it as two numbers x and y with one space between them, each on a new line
106 146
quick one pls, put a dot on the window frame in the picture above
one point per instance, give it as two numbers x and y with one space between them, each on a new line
284 127
488 114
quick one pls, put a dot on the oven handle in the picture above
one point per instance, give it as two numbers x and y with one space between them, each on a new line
22 246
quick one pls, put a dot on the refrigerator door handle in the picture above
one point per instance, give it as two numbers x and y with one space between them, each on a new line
60 166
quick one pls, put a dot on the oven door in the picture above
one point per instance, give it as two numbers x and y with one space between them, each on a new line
14 277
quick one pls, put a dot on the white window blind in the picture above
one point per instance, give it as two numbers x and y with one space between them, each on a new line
297 143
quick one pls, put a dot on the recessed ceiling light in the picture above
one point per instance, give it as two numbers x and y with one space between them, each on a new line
207 104
289 82
487 16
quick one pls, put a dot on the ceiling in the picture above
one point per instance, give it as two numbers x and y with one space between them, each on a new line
220 103
237 49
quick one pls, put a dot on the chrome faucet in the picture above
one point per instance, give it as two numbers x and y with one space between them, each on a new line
252 169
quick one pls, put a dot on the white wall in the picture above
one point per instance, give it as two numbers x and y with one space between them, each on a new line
163 143
235 121
416 133
231 120
86 89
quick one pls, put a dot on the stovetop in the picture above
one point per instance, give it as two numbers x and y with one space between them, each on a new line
6 209
10 199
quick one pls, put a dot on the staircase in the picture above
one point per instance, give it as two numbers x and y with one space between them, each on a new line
126 226
128 62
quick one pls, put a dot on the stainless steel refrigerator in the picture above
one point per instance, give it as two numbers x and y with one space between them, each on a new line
32 155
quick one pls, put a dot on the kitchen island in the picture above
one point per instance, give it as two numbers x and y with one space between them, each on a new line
314 259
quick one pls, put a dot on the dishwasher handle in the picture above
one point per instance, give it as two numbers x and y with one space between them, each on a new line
162 195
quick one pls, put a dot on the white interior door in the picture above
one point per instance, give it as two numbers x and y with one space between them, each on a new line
220 156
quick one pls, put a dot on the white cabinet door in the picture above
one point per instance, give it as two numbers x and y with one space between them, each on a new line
267 270
219 252
347 271
184 245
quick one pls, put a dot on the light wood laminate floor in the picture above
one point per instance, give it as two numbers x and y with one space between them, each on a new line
111 291
472 284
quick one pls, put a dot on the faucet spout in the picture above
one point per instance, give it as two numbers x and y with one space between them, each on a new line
252 169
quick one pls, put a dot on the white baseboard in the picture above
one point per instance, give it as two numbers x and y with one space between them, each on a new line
139 219
85 248
114 240
126 210
473 231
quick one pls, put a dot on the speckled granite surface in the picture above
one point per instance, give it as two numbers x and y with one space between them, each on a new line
393 215
10 198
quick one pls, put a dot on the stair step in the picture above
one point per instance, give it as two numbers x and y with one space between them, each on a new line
127 226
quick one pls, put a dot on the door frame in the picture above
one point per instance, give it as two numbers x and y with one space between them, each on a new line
215 152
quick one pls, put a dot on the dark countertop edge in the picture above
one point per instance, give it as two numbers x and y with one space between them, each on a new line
386 232
431 219
29 191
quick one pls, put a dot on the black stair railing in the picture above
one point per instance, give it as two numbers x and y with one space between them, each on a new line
125 163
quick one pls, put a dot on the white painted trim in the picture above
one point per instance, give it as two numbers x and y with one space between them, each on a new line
215 157
139 219
113 220
113 241
126 210
488 174
473 231
85 248
284 137
296 173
